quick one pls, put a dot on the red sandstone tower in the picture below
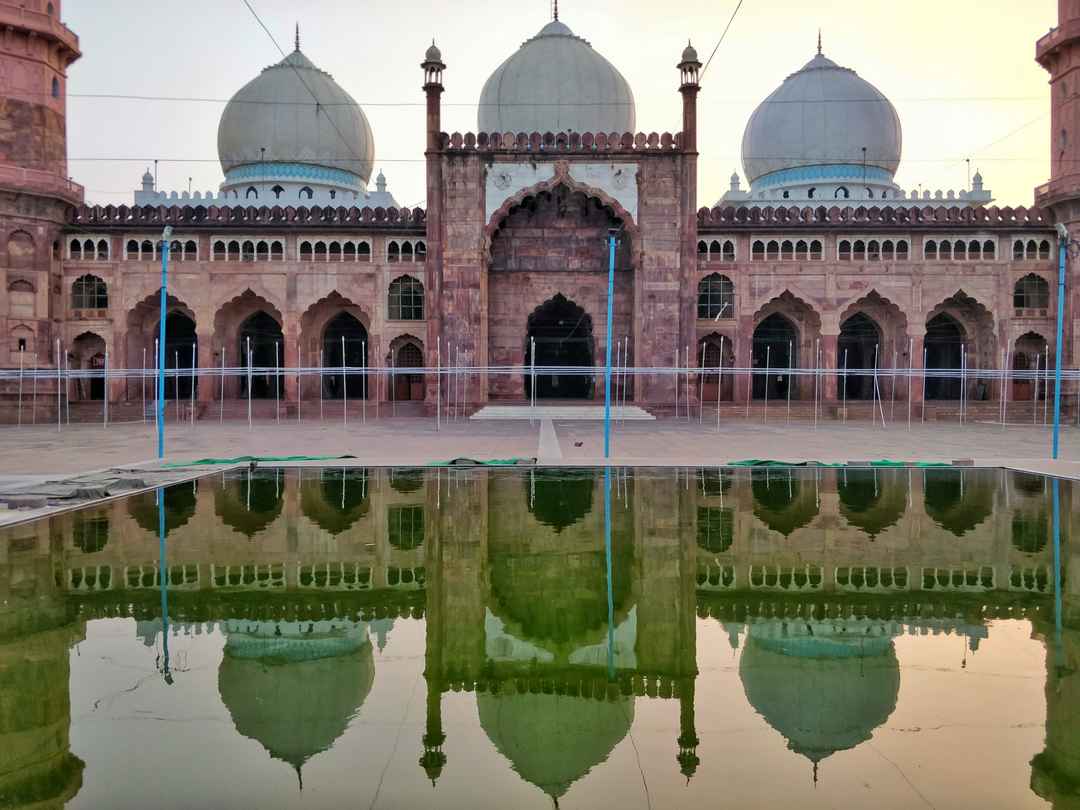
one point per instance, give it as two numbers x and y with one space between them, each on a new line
1059 53
35 192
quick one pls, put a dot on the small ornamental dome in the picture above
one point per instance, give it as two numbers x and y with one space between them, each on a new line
295 113
689 54
556 82
147 177
433 54
822 115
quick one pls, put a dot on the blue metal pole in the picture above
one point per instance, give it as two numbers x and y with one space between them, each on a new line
1063 246
607 363
161 345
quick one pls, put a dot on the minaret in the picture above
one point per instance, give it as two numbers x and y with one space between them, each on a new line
1058 52
433 68
35 192
688 739
690 74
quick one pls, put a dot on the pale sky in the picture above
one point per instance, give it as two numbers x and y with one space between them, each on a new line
961 74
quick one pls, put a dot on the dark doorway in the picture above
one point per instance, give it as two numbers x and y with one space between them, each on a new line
563 335
775 346
408 386
264 334
944 350
96 364
181 352
353 353
860 347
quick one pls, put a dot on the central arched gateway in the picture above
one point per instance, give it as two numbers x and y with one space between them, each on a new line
563 337
260 342
776 342
859 353
345 343
944 353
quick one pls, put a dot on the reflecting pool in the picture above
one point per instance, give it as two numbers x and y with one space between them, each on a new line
484 638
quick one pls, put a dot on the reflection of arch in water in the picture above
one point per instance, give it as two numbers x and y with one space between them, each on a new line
552 741
784 500
958 500
250 502
560 498
825 692
334 499
180 501
872 500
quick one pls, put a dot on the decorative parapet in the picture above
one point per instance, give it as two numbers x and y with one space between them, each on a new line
148 215
586 143
35 181
927 216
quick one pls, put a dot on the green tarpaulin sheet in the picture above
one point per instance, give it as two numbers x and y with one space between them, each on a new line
206 462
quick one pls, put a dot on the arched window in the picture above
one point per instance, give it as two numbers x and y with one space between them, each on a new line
1032 250
887 250
363 252
146 252
787 194
348 252
420 252
716 297
234 251
974 249
930 250
252 193
102 250
728 254
89 292
989 250
277 250
960 250
248 251
787 250
75 249
810 193
306 252
945 250
393 252
873 251
1031 292
320 251
816 250
219 251
844 250
334 251
1044 249
132 249
901 250
55 88
306 193
406 299
802 250
772 250
88 250
191 250
858 250
262 251
1018 250
406 252
176 250
842 194
757 251
702 248
278 191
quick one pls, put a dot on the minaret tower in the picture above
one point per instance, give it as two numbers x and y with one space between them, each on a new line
35 192
1059 53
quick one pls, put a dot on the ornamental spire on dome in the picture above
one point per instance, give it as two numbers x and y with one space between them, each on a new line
298 36
819 42
555 10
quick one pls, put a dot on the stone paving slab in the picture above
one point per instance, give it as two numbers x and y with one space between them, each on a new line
565 413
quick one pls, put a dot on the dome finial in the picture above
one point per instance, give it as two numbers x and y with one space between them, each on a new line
555 10
298 35
819 42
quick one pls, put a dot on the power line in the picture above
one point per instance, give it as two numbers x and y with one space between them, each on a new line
726 27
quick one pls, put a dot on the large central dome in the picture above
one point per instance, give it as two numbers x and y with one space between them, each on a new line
556 82
293 113
822 115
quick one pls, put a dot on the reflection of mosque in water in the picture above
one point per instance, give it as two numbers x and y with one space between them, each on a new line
306 570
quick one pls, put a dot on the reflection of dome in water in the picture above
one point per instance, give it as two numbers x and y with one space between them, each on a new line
179 507
295 694
554 740
958 501
822 694
250 503
783 501
335 499
560 498
872 500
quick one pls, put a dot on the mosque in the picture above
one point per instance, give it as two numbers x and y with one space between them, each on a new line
301 259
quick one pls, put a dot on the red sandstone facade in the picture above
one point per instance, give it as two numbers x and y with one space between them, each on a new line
511 253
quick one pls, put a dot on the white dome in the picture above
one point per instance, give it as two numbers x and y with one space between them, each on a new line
277 111
823 115
556 82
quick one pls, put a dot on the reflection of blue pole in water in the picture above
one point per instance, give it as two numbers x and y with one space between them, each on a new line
610 591
1057 563
163 579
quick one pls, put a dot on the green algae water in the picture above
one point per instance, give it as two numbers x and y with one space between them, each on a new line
751 638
